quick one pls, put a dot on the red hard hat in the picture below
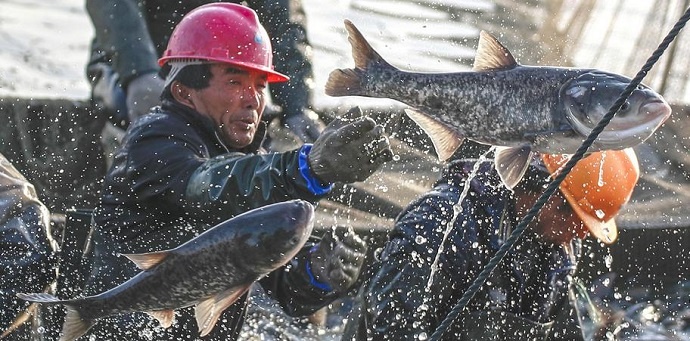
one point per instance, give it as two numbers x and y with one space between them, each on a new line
598 187
226 33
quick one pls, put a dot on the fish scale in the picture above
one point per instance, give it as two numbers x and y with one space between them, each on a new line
210 271
520 109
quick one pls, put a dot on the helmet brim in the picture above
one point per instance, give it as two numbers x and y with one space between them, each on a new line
272 76
605 231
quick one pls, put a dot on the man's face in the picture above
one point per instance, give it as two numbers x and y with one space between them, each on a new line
556 221
234 101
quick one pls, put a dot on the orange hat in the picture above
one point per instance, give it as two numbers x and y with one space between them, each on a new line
598 187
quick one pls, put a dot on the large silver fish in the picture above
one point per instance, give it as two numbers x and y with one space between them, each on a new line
521 109
210 271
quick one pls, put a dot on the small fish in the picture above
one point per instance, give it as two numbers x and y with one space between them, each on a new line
521 109
209 272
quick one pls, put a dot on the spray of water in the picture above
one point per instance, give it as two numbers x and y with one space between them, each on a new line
457 210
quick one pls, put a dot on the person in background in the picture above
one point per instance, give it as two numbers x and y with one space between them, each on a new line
196 161
529 290
131 36
28 254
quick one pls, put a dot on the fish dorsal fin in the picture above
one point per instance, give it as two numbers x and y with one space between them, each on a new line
511 164
164 317
492 55
146 261
445 139
208 311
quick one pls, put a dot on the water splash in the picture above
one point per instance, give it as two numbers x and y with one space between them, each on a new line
457 210
600 182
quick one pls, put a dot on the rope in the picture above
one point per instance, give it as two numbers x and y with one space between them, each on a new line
551 188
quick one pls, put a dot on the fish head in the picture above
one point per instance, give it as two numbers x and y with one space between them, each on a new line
279 231
589 96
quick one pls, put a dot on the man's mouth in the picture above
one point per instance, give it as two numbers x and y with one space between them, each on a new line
246 125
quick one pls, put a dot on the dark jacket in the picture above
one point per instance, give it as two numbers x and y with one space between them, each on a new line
520 300
173 179
132 34
28 259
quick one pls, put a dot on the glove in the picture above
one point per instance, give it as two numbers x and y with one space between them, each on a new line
143 93
306 126
350 149
337 261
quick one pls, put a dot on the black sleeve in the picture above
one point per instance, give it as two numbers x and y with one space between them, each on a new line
236 182
27 261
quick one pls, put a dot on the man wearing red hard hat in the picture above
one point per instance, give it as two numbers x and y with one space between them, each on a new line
131 35
526 297
196 161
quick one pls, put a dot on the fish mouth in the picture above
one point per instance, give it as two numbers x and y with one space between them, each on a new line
306 218
624 133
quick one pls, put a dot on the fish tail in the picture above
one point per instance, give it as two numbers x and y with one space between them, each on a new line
74 326
348 82
344 82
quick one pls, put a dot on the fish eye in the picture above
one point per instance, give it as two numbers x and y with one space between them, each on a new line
640 87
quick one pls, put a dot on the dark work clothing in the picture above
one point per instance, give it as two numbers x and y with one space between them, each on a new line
28 261
132 34
521 298
172 179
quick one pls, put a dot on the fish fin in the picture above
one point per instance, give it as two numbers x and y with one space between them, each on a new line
343 82
208 311
512 163
347 82
74 326
492 55
40 298
445 139
165 317
146 261
362 52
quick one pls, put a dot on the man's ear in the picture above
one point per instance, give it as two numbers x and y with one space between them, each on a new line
181 93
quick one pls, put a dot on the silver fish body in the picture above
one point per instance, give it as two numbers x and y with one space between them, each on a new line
210 271
522 109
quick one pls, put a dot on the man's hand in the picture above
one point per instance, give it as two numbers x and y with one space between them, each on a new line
143 93
307 126
350 149
337 262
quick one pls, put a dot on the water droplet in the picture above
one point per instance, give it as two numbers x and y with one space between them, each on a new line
599 213
608 260
396 157
601 170
420 240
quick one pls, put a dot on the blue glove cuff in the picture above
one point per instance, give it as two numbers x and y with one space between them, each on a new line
312 280
313 184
